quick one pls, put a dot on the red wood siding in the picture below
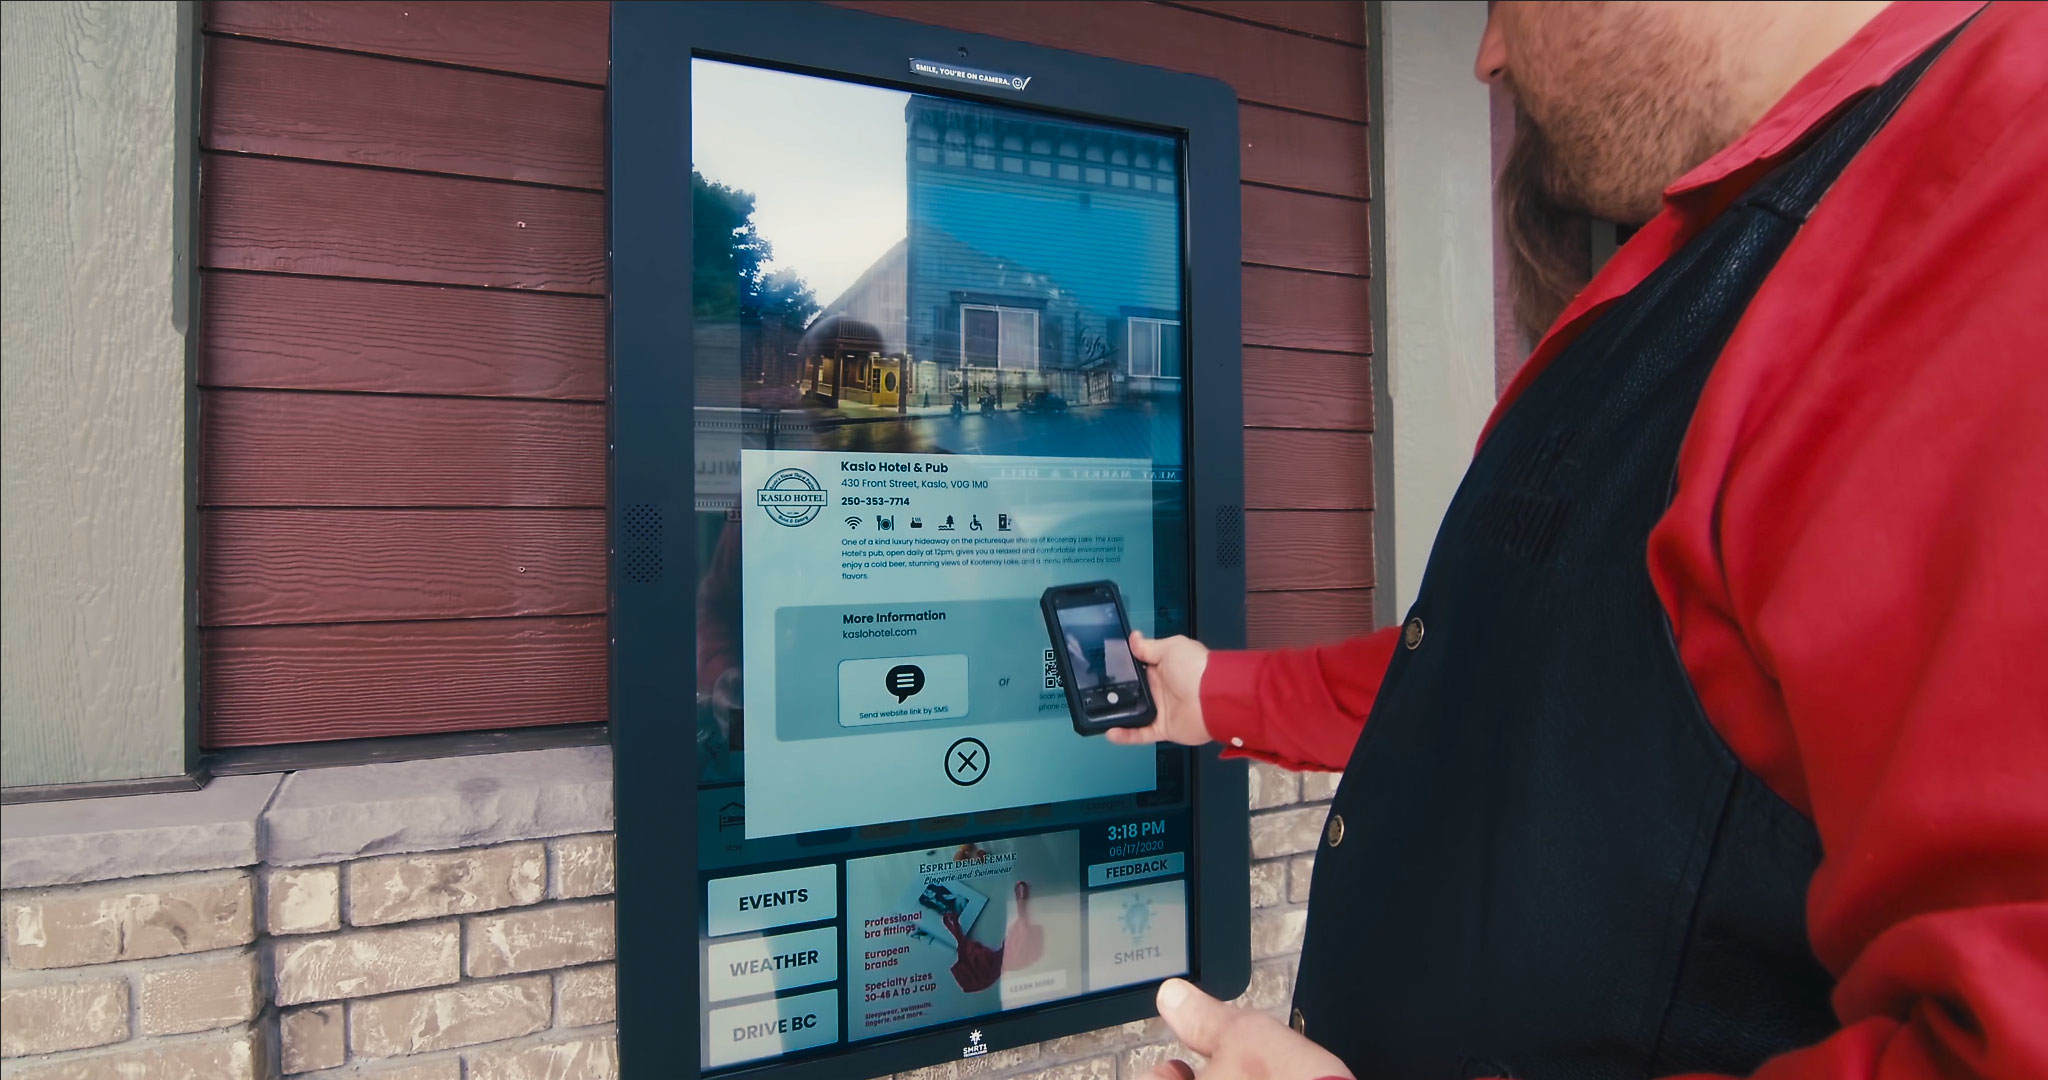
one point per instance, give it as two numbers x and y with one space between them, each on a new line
271 448
402 344
301 217
307 333
555 39
277 684
1338 22
270 566
309 103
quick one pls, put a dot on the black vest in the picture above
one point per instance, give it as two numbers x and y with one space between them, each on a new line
1543 862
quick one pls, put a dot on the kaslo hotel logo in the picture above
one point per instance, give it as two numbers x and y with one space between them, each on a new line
791 497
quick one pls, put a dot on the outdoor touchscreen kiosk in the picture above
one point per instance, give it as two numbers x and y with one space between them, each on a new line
908 326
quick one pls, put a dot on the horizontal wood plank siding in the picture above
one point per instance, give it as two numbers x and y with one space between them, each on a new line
327 106
323 566
1341 20
1307 153
274 330
300 217
1287 389
403 366
264 448
1308 549
1318 470
1289 309
556 39
271 684
1305 232
1276 620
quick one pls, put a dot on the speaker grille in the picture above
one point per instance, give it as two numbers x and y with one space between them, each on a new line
1230 536
640 543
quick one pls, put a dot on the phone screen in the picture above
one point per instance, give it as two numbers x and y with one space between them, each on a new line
1095 641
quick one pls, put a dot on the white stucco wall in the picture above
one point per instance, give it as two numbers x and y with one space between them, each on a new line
92 395
1437 164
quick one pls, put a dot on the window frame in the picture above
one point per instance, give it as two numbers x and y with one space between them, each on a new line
1158 350
1000 311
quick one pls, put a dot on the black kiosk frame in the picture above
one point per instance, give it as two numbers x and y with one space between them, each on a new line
653 547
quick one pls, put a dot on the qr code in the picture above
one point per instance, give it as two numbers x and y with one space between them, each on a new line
1052 672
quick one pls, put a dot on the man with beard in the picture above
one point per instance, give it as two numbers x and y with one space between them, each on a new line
1716 741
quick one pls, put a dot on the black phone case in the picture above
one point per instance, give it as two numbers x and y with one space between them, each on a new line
1082 725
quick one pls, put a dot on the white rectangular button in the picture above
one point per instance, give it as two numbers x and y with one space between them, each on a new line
762 1029
1137 934
780 898
902 689
763 965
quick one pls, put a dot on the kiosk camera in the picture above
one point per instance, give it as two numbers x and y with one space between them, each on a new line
909 326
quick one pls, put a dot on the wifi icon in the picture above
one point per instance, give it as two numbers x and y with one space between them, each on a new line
853 523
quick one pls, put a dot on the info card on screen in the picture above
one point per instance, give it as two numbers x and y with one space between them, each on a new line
896 664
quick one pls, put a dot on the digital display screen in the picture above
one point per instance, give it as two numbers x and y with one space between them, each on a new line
938 361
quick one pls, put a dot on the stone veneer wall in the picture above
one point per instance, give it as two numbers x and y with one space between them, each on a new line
434 920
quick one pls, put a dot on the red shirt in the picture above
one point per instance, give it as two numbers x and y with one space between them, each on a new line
1856 561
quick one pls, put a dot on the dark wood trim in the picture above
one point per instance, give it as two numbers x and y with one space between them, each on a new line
104 789
1385 596
189 240
289 757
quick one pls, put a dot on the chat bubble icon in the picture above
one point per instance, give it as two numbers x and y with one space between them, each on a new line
904 681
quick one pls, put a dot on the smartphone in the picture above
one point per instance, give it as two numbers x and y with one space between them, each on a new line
1091 646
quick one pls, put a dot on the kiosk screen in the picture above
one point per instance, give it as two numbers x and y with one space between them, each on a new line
938 361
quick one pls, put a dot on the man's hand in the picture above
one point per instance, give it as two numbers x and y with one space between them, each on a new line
1241 1044
1174 668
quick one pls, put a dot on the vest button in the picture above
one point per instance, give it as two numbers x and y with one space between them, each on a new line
1411 635
1334 831
1298 1022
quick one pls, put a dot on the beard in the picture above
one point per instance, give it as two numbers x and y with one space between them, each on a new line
1608 116
1546 230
